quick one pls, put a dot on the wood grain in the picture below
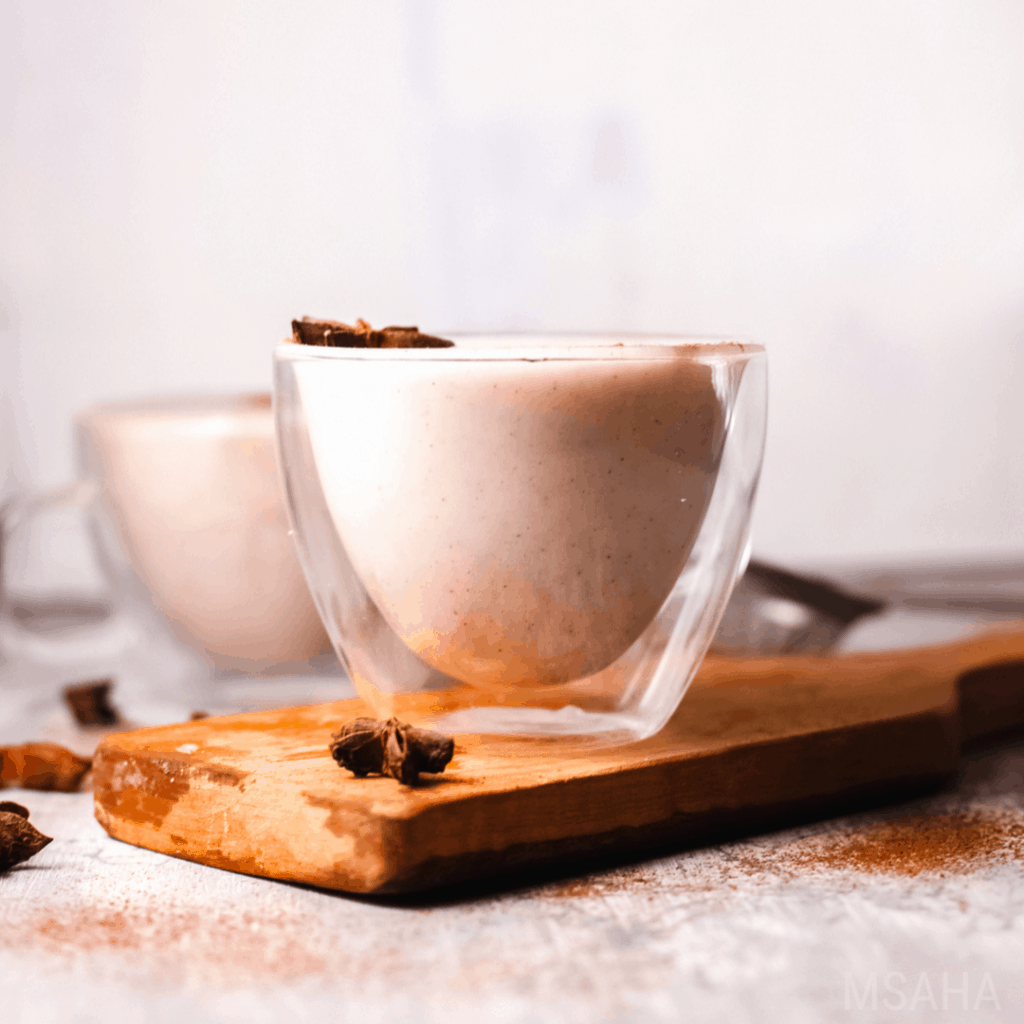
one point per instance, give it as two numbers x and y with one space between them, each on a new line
754 741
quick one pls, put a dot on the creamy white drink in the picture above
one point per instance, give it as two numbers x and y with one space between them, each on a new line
517 521
193 488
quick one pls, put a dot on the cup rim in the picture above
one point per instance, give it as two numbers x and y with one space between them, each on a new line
541 347
197 406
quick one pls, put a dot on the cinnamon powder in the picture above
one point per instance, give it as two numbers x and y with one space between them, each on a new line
922 844
955 842
221 945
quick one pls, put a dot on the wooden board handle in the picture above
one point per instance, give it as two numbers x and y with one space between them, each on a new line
986 668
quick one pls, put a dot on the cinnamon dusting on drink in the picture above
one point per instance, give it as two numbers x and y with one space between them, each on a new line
334 334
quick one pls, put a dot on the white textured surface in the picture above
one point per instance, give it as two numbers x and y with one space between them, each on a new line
94 930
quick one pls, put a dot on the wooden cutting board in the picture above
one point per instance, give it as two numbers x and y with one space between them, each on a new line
754 743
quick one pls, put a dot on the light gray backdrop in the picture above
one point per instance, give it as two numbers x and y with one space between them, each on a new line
844 182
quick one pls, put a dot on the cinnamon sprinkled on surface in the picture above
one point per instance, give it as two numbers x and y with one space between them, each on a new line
922 844
951 843
222 946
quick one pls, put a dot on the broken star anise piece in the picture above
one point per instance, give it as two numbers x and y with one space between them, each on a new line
18 839
409 751
90 703
366 745
359 746
42 766
335 334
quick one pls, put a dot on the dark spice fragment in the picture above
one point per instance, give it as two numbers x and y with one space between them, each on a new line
359 746
90 703
409 751
42 766
198 716
18 839
334 334
393 748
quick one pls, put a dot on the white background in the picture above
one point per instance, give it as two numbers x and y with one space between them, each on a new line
844 182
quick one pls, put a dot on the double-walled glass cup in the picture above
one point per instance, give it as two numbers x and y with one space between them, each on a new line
520 535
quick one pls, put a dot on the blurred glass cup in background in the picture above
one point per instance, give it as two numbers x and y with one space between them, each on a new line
191 486
178 512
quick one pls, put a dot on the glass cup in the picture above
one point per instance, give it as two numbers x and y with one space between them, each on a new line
523 536
190 484
179 507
